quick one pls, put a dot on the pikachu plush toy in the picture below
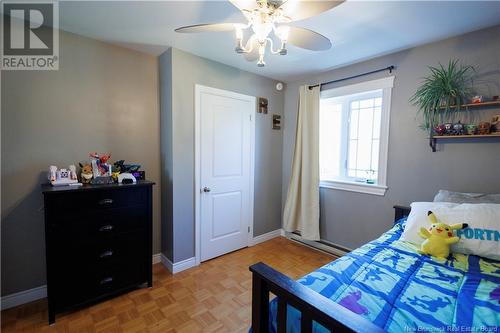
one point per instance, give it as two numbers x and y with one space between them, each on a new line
439 237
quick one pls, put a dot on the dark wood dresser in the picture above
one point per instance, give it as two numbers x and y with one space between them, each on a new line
98 242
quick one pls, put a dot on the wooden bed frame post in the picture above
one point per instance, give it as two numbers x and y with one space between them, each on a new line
260 304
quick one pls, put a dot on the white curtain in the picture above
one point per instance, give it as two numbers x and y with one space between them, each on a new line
302 201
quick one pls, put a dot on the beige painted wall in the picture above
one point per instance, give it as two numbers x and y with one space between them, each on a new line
103 98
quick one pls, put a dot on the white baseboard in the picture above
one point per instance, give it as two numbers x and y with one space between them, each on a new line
267 236
178 266
30 295
23 297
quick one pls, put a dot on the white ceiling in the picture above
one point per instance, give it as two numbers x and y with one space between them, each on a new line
358 29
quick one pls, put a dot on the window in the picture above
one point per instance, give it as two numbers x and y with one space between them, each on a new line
354 132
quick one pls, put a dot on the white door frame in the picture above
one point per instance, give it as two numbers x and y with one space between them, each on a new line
198 89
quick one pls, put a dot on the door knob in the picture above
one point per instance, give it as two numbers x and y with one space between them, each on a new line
206 189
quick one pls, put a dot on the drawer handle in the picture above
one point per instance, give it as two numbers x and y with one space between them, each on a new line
108 227
106 202
106 281
106 254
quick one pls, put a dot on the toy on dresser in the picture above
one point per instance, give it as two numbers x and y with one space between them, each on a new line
102 171
86 173
62 176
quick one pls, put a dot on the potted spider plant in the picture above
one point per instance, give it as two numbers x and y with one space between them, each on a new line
443 92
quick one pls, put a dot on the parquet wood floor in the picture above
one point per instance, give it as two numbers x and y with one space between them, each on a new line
213 297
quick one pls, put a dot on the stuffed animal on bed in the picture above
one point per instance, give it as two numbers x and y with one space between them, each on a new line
438 237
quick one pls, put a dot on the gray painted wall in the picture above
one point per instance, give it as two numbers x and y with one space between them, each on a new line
414 172
188 70
165 67
103 98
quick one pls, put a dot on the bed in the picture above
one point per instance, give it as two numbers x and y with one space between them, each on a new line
384 285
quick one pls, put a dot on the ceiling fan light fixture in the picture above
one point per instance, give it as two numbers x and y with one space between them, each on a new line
261 62
267 17
282 32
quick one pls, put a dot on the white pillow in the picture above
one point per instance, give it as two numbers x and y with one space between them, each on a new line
482 237
459 197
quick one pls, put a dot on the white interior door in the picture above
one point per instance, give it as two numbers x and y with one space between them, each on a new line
226 133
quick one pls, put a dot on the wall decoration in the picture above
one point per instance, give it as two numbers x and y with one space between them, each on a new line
276 122
262 108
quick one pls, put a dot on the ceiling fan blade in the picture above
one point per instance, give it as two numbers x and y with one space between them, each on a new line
216 27
308 39
254 55
244 4
301 9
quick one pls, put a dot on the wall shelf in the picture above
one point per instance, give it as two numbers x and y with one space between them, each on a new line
463 107
434 139
475 105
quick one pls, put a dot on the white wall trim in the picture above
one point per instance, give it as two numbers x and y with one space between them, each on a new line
30 295
198 89
22 297
267 236
178 266
383 83
354 187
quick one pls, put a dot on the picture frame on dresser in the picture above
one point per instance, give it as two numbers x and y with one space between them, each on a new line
98 241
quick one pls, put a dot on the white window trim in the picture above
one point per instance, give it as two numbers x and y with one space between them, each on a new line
386 84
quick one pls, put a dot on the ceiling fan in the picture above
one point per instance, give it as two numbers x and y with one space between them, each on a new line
265 17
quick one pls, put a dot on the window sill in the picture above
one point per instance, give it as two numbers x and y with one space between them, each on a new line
354 187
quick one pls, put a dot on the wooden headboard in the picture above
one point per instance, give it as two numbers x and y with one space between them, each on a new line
400 211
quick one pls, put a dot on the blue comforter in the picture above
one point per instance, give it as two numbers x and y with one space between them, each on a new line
390 284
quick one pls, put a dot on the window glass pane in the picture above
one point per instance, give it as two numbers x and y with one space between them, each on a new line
365 124
352 153
364 155
350 136
353 128
366 103
362 163
351 173
376 122
375 154
330 139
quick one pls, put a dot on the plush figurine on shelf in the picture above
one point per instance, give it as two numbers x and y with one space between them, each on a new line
86 173
439 237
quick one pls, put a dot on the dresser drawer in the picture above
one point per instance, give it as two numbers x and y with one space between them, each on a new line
117 277
100 224
81 285
97 200
100 253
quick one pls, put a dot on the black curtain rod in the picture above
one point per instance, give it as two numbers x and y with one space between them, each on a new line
390 69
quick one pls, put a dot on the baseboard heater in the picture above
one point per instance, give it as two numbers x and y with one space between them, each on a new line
322 245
